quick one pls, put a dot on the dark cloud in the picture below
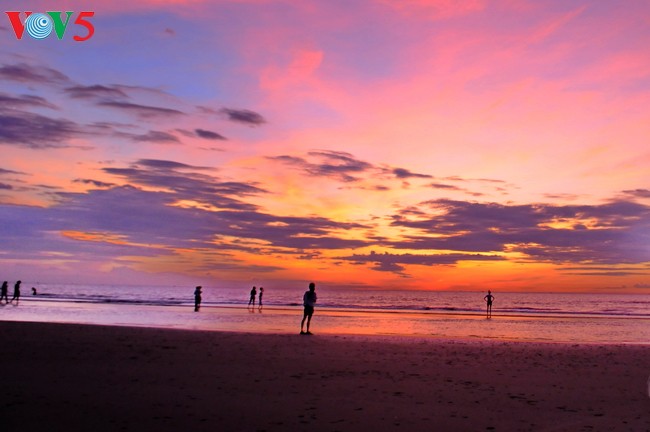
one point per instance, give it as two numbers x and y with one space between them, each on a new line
167 165
638 193
219 213
391 262
142 111
6 171
243 116
338 165
129 221
403 173
6 186
618 232
480 180
24 101
445 186
95 183
187 184
202 133
25 73
95 92
562 197
156 136
35 131
604 271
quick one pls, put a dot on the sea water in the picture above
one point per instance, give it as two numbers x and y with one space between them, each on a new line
553 317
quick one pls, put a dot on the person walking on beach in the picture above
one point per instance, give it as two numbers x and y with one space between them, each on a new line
308 300
16 292
488 299
197 298
260 298
253 295
3 292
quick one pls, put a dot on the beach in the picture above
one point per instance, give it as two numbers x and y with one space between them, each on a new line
71 377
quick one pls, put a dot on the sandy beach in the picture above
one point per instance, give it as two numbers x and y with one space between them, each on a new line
59 377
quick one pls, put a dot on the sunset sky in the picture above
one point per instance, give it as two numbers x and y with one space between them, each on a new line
416 144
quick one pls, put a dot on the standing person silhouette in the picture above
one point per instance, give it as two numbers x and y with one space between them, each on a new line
3 292
16 292
253 295
488 299
260 298
308 300
197 298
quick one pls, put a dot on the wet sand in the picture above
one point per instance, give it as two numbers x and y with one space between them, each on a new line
60 377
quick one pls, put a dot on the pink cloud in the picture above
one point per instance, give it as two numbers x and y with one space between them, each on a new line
437 9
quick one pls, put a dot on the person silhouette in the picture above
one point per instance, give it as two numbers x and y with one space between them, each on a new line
260 298
308 300
3 292
253 295
488 299
34 291
197 298
16 292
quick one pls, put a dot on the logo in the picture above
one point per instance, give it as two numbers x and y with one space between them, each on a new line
40 25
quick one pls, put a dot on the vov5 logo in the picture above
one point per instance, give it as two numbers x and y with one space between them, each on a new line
40 25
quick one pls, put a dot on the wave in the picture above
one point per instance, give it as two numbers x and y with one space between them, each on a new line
509 304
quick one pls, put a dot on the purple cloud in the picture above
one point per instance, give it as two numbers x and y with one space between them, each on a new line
156 136
24 101
142 111
338 165
206 134
35 131
403 173
243 116
619 231
95 92
30 74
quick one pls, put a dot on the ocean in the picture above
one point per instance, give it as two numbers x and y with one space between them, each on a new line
542 317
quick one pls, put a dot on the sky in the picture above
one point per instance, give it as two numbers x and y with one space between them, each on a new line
414 144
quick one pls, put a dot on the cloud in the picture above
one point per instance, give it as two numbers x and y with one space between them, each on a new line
24 101
167 165
391 262
615 232
338 165
243 116
638 193
188 212
403 173
95 183
29 74
202 133
188 184
6 171
156 136
24 129
142 111
445 186
95 92
604 271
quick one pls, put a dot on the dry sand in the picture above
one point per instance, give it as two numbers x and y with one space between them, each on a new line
93 378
